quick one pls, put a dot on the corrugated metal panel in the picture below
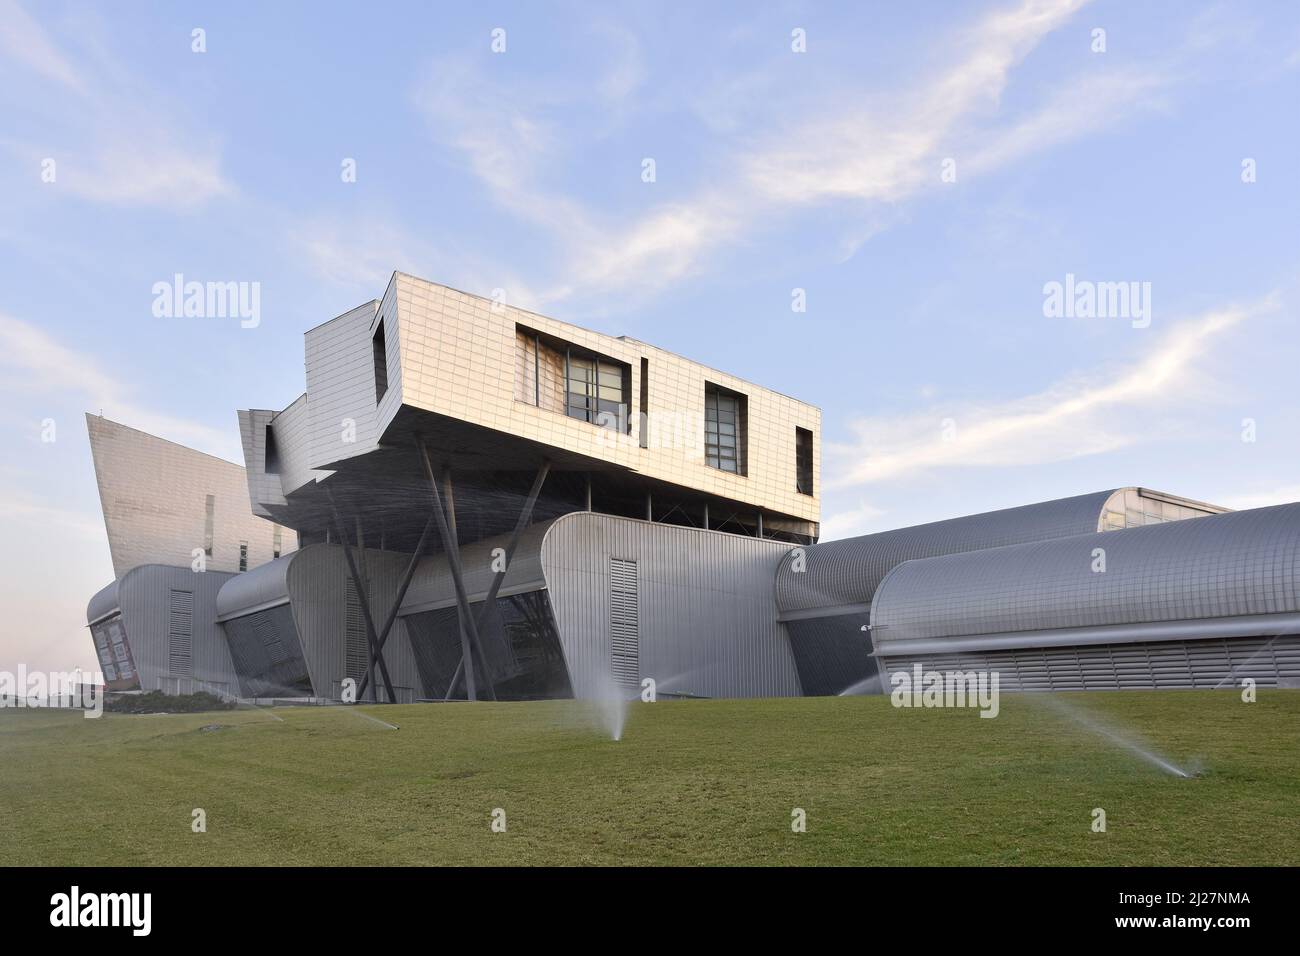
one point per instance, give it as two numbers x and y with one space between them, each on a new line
1206 664
848 571
707 617
1226 566
149 617
432 586
833 654
357 653
317 583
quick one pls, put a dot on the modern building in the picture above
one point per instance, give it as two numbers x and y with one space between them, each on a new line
494 504
179 526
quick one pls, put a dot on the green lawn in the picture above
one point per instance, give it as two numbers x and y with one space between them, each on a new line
691 782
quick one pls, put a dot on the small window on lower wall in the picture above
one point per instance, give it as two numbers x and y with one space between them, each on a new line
803 461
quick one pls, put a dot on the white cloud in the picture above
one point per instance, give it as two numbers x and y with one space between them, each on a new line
111 144
35 363
874 155
23 40
1085 415
1280 495
851 522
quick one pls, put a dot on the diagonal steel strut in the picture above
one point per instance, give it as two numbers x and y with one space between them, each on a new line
402 587
362 596
452 547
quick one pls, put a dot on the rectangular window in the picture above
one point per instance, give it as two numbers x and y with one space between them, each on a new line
209 518
803 461
243 555
557 376
724 429
645 403
271 460
277 541
379 352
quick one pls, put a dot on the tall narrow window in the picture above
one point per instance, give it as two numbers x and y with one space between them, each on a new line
271 462
379 352
243 555
803 461
277 541
210 508
645 403
724 429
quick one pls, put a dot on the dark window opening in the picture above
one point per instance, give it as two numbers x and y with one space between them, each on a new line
271 462
379 352
209 519
803 461
724 429
645 403
243 555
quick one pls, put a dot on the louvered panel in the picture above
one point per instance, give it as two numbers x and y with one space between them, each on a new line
624 622
180 632
355 657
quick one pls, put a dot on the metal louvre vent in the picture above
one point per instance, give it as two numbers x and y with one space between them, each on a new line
269 638
1141 666
180 633
624 622
355 657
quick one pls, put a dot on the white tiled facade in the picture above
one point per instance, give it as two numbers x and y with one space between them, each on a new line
154 498
456 355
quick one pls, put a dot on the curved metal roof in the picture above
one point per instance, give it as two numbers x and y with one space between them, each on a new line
104 602
432 585
844 573
1223 566
264 586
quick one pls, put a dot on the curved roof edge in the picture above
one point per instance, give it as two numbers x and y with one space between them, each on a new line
848 571
1236 565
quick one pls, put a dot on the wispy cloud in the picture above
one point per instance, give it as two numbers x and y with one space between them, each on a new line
111 143
871 156
36 363
1085 415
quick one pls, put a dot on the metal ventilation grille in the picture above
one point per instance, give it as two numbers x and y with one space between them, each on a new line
1151 666
624 623
180 633
355 657
269 637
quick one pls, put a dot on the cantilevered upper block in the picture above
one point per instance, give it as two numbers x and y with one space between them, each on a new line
491 388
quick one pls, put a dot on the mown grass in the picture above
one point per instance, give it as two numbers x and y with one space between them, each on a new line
691 782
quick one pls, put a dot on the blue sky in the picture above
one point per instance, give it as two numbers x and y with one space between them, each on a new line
944 387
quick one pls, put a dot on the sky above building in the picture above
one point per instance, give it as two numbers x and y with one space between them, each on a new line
900 213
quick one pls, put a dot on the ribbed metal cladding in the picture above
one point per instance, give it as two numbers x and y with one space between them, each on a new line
1223 566
1144 666
315 581
848 571
169 615
706 622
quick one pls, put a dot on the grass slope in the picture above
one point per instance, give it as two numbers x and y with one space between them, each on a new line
692 782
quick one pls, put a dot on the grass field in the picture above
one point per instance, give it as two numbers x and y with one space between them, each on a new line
694 782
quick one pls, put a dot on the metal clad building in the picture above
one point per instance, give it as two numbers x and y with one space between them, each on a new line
155 628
